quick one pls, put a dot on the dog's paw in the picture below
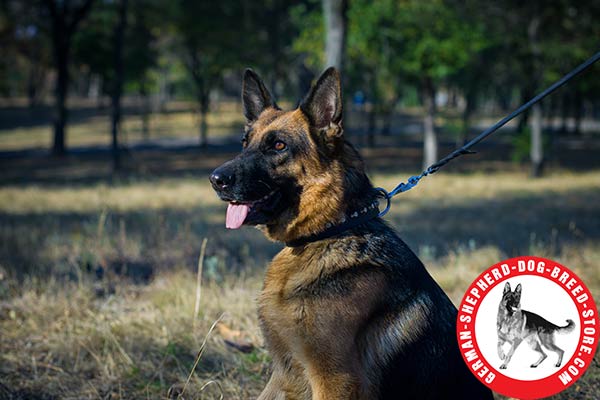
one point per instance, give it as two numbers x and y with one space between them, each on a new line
557 364
503 366
533 365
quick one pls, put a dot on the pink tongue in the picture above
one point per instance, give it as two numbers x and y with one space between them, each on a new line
236 214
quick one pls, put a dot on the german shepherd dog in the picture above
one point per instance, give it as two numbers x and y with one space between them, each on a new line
350 315
515 325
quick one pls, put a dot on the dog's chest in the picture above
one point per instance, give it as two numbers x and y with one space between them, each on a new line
511 326
285 316
310 308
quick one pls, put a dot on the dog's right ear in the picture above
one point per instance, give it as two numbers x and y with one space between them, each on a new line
255 96
506 288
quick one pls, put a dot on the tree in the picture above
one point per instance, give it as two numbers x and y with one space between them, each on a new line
209 46
65 18
374 55
27 55
392 44
268 30
436 43
541 41
119 38
335 28
97 45
482 76
371 65
147 23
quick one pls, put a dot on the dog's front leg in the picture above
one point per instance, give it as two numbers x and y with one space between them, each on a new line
513 347
501 342
334 388
332 385
274 389
286 384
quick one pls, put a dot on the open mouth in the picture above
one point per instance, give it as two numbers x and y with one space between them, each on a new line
239 212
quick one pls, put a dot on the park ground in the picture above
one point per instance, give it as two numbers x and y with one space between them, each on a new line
98 271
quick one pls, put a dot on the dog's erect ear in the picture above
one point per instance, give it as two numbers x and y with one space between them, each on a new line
255 96
506 288
323 103
518 291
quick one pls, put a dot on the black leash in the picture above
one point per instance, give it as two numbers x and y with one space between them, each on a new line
414 180
360 217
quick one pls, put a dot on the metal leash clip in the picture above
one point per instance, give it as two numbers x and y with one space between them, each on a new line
384 193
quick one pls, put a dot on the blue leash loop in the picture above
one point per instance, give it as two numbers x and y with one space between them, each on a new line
414 180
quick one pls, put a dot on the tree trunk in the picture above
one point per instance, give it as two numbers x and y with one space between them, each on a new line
526 94
145 110
305 78
203 129
61 54
537 152
388 116
430 144
577 112
32 84
273 26
536 145
119 40
335 27
463 135
64 24
204 105
372 126
564 105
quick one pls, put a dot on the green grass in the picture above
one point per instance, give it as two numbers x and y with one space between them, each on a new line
67 334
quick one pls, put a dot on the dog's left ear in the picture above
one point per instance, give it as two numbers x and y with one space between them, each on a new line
506 288
323 103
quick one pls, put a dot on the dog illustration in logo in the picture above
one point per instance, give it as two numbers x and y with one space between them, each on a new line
515 325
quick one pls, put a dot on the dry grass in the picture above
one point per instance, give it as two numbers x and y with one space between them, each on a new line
62 340
175 194
67 334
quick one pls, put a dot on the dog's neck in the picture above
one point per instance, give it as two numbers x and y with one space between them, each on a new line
506 310
347 223
343 193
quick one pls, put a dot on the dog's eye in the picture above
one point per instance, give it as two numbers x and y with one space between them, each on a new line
279 145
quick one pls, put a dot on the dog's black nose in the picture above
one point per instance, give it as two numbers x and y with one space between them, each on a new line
221 179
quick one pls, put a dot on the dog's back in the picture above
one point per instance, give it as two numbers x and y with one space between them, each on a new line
538 324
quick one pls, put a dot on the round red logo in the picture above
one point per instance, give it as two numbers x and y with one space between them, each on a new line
528 327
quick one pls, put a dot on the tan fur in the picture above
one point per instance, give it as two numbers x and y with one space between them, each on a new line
317 334
318 182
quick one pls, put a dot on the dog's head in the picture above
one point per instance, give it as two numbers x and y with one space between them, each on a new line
511 300
296 173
